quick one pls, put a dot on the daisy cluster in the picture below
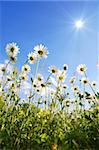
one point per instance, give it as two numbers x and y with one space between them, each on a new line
54 91
47 113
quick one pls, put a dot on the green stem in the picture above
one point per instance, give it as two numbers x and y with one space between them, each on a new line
91 86
37 65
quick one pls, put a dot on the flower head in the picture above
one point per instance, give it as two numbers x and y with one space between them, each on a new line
53 70
32 57
41 51
75 89
26 68
84 81
23 77
72 80
2 68
93 84
61 75
40 78
65 86
12 49
81 69
65 67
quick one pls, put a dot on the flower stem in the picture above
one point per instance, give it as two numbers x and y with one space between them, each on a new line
37 65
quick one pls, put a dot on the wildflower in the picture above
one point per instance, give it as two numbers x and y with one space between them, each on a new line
9 78
12 49
2 68
66 102
42 89
54 146
65 67
32 57
23 77
13 59
35 83
75 89
26 68
53 70
94 84
84 81
61 76
72 80
51 91
41 51
40 78
65 86
81 69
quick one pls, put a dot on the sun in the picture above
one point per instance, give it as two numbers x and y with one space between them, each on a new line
79 24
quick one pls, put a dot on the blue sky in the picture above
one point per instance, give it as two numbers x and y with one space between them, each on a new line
52 23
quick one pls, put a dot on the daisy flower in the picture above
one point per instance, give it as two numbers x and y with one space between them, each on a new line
84 81
9 78
13 59
35 83
32 57
66 102
81 69
41 51
2 68
61 75
53 70
42 89
12 49
23 77
75 89
65 67
94 84
26 68
51 91
72 80
40 78
65 86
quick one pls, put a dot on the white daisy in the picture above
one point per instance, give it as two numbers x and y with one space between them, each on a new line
42 89
65 67
65 86
61 75
23 77
32 57
13 59
81 69
35 83
9 78
75 89
94 84
26 68
84 81
12 49
72 80
40 78
41 51
2 68
53 69
66 102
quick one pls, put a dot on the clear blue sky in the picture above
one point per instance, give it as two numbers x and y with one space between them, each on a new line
51 23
